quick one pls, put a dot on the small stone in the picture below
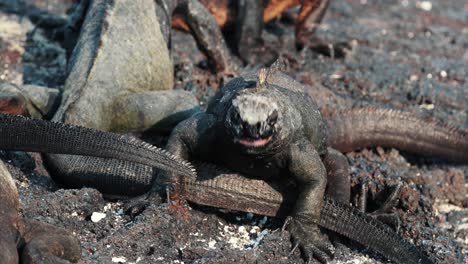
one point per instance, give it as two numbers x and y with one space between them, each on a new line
335 76
11 100
414 77
424 5
212 244
119 259
254 229
97 216
41 99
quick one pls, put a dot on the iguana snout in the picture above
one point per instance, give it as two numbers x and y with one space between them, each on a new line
252 120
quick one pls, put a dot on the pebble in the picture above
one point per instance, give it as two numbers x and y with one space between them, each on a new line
119 259
97 216
212 244
424 5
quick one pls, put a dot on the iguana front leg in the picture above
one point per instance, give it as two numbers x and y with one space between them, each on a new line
308 171
154 110
189 140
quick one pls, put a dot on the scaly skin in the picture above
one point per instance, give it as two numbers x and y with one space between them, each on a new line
263 127
119 91
367 127
21 133
84 65
230 190
219 187
41 243
287 138
134 179
102 173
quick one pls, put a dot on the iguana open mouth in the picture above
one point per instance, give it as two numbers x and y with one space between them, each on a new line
254 142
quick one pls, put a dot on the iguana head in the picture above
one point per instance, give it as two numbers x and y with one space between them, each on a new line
256 119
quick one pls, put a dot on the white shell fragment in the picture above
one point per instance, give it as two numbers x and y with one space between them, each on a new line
97 216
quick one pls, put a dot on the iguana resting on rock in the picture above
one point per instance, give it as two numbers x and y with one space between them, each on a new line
119 71
39 243
268 125
242 131
146 176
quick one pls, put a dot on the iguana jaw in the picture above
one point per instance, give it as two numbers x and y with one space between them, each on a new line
248 142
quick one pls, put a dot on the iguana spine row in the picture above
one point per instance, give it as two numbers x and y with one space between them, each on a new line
21 133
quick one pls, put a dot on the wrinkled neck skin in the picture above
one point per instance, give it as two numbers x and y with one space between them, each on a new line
256 108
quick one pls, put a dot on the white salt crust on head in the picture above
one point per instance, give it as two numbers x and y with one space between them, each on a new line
254 108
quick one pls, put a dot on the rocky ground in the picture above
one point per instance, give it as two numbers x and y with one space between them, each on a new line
405 54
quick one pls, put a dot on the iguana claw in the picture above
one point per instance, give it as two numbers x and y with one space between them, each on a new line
310 240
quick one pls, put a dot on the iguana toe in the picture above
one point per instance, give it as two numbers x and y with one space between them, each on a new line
312 243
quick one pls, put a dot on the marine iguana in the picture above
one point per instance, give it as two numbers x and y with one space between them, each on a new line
40 243
44 243
95 172
267 124
369 111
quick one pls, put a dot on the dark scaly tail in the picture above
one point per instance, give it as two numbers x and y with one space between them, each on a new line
364 229
219 187
369 127
20 133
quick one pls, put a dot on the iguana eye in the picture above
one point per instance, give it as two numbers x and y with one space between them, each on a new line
273 118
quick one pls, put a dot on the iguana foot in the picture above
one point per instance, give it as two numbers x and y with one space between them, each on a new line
310 240
308 19
383 213
390 219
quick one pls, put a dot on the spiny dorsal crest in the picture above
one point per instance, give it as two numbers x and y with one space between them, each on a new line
262 77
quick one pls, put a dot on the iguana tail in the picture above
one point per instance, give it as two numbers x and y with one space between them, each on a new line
360 227
20 133
218 187
369 127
